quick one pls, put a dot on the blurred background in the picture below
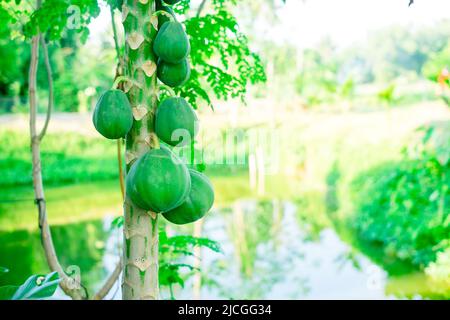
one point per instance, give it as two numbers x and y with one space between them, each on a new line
344 192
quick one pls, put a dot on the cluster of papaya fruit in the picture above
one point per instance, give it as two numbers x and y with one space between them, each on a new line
158 180
172 47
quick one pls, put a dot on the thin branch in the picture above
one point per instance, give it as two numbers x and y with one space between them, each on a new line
116 42
68 285
115 292
109 283
118 75
74 290
201 7
48 67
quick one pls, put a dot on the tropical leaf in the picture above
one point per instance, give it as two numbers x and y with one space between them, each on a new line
37 287
117 223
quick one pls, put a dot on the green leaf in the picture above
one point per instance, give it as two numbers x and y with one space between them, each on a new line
117 222
182 244
4 270
37 287
169 273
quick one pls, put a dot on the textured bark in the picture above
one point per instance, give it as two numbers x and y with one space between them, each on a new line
140 256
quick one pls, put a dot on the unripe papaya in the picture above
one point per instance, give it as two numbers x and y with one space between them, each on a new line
174 75
175 121
171 43
198 202
112 116
158 181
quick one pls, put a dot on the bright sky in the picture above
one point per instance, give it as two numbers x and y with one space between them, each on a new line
348 20
345 21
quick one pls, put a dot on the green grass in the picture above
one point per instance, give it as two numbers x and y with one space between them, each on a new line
66 158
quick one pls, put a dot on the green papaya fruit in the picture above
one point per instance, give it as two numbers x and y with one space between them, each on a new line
171 43
175 121
162 18
158 181
198 202
112 116
173 75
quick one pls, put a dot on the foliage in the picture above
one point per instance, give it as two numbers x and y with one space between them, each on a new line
387 95
403 207
62 22
318 82
52 18
35 287
325 74
78 91
400 51
308 205
173 252
436 63
220 55
439 270
223 64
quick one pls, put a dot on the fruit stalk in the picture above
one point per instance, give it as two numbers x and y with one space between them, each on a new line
140 250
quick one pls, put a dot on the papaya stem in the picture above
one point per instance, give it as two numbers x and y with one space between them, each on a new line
120 165
164 13
118 80
168 89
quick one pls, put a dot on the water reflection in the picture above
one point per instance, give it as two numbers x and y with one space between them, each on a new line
269 256
272 249
79 246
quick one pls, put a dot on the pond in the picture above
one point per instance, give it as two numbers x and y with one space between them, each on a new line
268 252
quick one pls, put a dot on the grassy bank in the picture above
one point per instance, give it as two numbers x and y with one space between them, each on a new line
66 158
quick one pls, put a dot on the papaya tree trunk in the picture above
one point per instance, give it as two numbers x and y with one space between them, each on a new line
140 253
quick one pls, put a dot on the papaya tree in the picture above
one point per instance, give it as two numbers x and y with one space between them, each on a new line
157 47
174 57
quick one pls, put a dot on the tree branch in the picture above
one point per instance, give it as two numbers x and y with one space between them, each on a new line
104 290
69 285
200 8
74 290
116 38
48 67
